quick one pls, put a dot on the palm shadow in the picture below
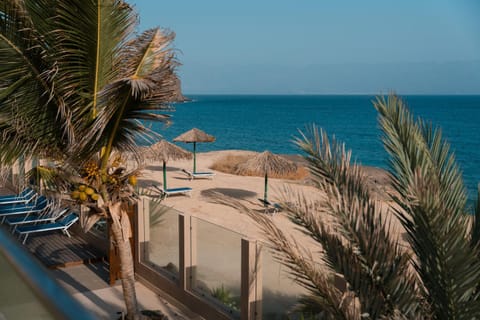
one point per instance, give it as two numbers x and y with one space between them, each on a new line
229 192
160 168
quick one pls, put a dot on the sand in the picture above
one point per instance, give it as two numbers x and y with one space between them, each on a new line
244 188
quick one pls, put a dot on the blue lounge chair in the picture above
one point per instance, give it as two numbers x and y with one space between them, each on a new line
173 191
49 216
63 225
38 206
23 197
198 175
10 196
19 206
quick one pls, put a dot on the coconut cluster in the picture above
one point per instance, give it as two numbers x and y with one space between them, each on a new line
113 180
84 193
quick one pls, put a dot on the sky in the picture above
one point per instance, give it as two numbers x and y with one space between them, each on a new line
322 47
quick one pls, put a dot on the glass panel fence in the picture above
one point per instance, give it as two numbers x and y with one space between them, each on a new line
161 249
279 292
218 263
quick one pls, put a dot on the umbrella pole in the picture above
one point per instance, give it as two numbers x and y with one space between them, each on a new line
164 176
194 157
266 190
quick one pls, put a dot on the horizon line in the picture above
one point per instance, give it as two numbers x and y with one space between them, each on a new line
329 94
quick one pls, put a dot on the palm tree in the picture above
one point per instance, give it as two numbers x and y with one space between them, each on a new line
75 81
433 274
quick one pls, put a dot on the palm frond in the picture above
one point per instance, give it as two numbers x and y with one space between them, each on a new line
476 221
89 37
26 89
148 84
50 178
432 200
360 246
303 267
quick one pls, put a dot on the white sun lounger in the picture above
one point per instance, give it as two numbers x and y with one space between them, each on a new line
61 225
270 207
198 175
173 191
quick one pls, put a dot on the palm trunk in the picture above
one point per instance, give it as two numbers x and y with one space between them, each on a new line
127 273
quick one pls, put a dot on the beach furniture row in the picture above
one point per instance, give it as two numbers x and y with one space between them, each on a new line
28 213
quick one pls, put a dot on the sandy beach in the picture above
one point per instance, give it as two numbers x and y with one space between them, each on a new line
247 189
221 227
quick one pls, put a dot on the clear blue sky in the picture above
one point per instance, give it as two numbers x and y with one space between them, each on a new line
321 47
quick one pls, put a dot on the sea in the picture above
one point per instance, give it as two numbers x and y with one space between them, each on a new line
271 122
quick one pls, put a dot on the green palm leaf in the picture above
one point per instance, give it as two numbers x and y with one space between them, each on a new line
26 85
432 199
476 221
146 85
360 246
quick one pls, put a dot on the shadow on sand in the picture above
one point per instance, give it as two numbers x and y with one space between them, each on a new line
229 192
160 168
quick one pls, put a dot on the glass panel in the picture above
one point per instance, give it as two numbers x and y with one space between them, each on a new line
162 249
17 301
218 263
279 292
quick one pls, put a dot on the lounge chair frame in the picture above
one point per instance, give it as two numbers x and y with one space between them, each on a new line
62 225
198 175
23 197
45 217
270 207
42 205
173 191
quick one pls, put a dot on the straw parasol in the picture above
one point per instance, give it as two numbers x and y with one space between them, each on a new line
193 136
164 151
266 163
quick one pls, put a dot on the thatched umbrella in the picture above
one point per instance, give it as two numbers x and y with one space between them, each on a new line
193 136
266 163
164 151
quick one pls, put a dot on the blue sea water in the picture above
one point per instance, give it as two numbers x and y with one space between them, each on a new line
270 122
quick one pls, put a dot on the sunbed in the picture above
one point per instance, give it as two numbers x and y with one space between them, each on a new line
173 191
23 197
198 175
39 205
29 218
20 195
62 225
270 207
20 206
